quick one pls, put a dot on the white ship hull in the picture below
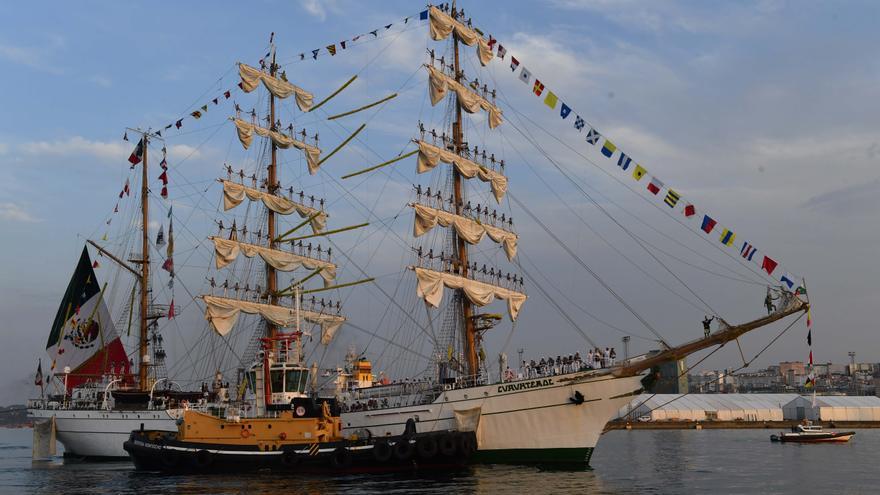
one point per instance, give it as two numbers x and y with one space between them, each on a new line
530 420
97 434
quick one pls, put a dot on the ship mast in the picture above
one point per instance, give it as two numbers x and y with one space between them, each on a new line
271 275
470 344
143 359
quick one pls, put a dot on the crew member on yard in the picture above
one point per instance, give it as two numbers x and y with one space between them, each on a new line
706 322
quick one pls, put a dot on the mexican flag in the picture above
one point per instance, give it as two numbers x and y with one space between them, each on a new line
83 336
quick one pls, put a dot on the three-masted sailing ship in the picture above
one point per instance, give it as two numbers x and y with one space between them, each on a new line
550 418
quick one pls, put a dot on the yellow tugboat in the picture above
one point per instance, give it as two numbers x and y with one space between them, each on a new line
291 431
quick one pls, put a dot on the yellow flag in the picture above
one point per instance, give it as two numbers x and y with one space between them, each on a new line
104 237
639 172
551 99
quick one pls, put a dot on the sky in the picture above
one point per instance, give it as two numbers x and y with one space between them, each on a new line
761 112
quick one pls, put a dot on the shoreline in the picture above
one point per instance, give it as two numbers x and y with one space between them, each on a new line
732 425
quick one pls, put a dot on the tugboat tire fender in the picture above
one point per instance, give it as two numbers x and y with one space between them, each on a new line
382 451
427 447
467 445
203 459
447 445
290 458
340 458
403 450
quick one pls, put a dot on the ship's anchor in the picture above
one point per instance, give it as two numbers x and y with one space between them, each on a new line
577 399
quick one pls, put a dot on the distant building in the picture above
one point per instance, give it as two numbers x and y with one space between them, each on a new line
792 372
833 408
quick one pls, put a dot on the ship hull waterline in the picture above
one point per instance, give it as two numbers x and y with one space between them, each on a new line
556 419
96 435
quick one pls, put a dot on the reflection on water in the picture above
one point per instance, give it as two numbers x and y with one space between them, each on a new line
625 462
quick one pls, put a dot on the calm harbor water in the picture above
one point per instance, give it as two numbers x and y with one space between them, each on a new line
626 462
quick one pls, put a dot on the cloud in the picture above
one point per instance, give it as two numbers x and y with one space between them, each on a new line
854 199
15 213
35 57
319 8
79 145
101 81
4 148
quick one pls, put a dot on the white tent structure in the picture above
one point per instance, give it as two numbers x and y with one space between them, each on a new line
833 408
708 407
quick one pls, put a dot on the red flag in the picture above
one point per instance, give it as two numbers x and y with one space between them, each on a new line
811 358
689 210
125 189
138 154
768 265
164 192
95 264
171 310
168 265
179 124
227 94
164 178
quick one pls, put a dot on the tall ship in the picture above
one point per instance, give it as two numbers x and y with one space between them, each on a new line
273 269
555 413
97 391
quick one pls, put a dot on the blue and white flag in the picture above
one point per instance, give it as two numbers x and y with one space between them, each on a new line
564 111
623 160
593 137
579 123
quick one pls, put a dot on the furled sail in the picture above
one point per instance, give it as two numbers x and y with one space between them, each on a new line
431 282
234 194
442 25
468 229
227 250
251 77
222 313
430 155
246 132
440 83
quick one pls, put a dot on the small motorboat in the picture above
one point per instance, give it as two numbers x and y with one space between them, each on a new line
810 433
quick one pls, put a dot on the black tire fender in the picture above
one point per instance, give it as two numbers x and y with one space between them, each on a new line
340 458
447 445
403 450
203 459
382 451
467 444
290 458
427 447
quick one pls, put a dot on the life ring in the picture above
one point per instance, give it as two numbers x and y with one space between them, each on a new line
340 458
447 445
467 445
300 411
245 433
382 451
427 447
403 450
185 404
203 459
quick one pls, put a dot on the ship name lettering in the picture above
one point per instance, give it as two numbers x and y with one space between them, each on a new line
513 387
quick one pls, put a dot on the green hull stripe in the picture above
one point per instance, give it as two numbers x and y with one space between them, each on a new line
534 456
